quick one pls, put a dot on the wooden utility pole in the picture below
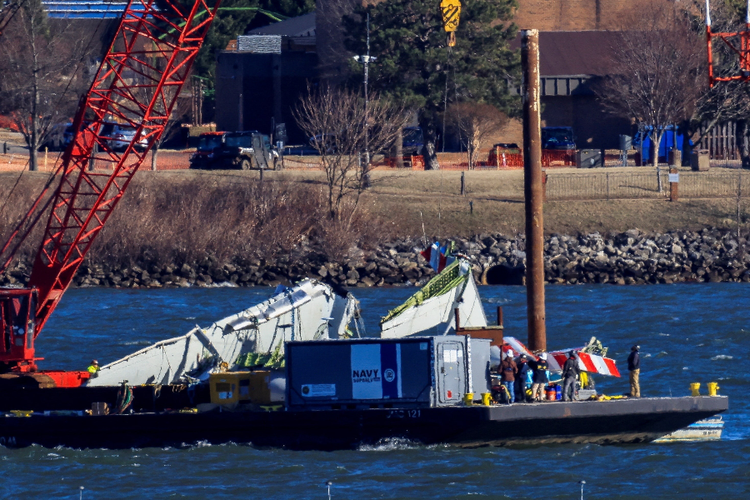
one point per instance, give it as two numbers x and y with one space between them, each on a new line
533 191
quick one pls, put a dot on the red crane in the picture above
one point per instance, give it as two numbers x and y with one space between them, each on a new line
138 83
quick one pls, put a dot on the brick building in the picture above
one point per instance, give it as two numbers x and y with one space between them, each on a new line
574 47
261 75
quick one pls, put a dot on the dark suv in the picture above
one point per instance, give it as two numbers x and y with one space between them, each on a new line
205 154
246 150
558 138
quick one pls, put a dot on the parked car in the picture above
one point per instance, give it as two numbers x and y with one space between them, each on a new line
558 138
118 136
246 150
56 138
205 153
506 145
413 141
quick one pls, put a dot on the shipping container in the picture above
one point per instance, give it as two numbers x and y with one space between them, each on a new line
412 371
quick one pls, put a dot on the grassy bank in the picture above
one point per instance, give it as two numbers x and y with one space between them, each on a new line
186 216
404 200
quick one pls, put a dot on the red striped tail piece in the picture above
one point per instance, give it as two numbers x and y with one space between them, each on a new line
591 357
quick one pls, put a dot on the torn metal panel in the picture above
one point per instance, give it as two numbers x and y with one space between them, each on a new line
431 311
309 311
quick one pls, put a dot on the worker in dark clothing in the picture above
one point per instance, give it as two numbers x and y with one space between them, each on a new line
570 375
634 367
521 378
508 370
540 377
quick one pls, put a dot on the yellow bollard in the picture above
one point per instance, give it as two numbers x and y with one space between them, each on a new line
469 398
694 388
713 387
486 398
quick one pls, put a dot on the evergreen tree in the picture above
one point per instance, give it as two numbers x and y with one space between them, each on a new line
415 66
226 26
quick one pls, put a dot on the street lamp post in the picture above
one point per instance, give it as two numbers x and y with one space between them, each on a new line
366 60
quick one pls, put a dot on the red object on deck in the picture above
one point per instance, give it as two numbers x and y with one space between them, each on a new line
67 380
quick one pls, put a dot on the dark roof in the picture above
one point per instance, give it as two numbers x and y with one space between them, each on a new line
294 27
567 53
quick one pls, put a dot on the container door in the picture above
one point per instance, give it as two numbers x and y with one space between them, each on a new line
451 374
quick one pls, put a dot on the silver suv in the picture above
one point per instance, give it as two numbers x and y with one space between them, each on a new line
119 136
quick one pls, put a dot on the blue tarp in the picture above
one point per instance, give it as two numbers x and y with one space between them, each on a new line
668 141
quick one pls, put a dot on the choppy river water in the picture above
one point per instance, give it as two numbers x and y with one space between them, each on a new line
688 333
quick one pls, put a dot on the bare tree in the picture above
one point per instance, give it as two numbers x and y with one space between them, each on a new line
476 124
657 71
334 119
43 71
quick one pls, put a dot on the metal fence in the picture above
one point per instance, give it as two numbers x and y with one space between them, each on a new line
642 185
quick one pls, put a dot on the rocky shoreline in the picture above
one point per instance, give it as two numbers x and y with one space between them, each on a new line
632 257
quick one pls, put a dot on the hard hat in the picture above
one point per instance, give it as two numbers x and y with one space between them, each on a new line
94 362
543 356
523 356
635 348
571 354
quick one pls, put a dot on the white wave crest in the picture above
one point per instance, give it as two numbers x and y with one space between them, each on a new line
721 356
223 284
495 300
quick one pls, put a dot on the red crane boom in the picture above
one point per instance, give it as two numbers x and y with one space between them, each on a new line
737 43
138 83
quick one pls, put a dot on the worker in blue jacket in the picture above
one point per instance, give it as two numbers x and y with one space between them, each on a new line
522 378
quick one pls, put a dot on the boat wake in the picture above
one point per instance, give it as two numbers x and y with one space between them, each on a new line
391 444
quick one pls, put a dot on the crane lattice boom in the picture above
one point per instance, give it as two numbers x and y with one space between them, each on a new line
137 84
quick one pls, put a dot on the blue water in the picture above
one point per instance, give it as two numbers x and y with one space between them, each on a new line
688 333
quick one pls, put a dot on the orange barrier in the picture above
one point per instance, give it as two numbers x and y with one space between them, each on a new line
558 158
412 162
7 122
505 158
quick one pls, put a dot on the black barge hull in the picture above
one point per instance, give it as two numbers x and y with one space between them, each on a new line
606 422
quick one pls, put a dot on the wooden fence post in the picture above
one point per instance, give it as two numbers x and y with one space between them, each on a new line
607 186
